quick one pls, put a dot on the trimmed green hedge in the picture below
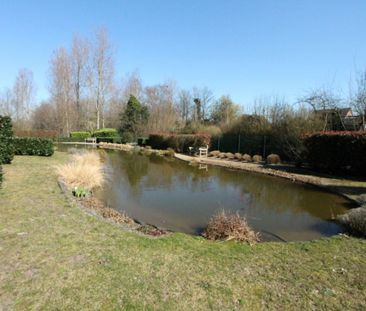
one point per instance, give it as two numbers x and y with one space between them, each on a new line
179 142
106 132
337 152
33 146
80 134
6 140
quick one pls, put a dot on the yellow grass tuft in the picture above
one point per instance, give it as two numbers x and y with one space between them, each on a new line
85 170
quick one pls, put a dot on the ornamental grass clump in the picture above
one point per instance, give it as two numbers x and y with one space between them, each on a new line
230 226
214 153
246 158
238 156
85 170
273 159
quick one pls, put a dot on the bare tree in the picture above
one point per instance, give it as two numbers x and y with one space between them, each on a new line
23 97
225 111
205 97
79 66
61 89
161 104
358 97
6 99
325 103
102 74
44 117
184 105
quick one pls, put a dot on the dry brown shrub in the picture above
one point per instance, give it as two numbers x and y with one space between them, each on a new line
246 158
222 155
214 153
257 158
273 159
85 170
230 226
238 156
229 155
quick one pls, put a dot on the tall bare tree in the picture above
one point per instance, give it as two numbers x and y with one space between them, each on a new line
161 104
61 89
102 74
23 97
6 98
205 97
358 97
185 101
79 65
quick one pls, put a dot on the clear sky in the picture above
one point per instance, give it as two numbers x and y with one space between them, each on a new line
247 49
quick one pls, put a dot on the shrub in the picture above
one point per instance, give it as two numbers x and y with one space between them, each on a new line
179 142
214 153
355 221
170 152
85 170
33 146
337 152
273 159
127 137
80 134
238 156
246 158
112 140
257 158
105 132
229 155
230 226
6 140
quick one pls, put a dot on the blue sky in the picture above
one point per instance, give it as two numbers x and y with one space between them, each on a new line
247 49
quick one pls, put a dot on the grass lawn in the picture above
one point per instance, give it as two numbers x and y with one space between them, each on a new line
54 256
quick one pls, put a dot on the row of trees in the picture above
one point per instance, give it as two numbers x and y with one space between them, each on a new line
85 94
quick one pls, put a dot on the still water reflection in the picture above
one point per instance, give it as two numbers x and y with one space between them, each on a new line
171 194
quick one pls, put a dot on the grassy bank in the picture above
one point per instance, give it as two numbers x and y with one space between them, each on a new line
54 256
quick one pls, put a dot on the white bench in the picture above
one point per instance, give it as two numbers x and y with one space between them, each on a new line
92 140
203 151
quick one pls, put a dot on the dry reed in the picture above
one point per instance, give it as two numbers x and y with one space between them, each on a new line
85 170
230 226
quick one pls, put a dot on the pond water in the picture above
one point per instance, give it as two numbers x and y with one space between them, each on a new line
172 194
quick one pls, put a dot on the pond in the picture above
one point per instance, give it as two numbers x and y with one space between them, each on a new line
174 195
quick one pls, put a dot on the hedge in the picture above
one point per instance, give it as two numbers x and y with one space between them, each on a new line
6 140
33 146
114 140
178 142
337 152
105 132
80 134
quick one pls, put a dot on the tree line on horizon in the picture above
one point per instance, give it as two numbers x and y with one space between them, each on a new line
84 95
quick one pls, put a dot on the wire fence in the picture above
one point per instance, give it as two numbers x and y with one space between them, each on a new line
253 144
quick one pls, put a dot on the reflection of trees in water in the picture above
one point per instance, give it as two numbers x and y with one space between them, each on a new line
258 192
280 195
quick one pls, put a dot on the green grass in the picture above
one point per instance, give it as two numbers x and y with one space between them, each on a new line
53 256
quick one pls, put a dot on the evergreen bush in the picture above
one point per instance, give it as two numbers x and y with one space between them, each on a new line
33 146
6 140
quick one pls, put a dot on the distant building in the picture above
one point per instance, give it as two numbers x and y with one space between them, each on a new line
340 119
